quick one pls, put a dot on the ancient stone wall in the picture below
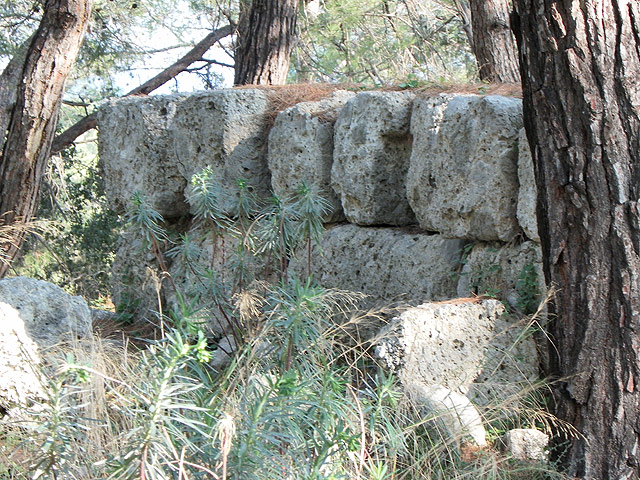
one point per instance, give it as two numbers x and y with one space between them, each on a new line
431 197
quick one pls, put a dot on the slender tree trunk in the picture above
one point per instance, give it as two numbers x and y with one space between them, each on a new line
31 120
266 32
580 64
464 10
493 43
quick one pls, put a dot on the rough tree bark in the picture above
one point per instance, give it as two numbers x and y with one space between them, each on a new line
464 10
580 64
266 33
32 93
493 44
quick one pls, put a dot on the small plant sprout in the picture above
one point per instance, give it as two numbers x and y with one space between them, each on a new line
204 199
311 208
147 220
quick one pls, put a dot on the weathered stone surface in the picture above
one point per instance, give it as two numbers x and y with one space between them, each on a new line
34 316
50 315
462 180
227 131
371 158
527 195
301 149
495 268
450 414
526 444
440 343
136 153
465 346
20 383
385 263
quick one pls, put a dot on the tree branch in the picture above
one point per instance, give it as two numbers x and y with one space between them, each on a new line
67 137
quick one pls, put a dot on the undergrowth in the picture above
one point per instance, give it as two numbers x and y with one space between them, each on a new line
297 396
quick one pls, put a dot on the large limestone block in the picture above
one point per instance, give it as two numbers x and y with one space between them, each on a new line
462 180
465 346
527 195
440 343
225 130
371 158
50 315
20 382
301 149
385 263
136 153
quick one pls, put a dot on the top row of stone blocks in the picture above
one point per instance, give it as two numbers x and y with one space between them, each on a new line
448 163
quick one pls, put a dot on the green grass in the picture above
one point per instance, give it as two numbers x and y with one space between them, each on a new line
301 398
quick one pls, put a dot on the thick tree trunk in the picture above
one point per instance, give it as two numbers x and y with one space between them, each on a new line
31 120
266 32
493 43
580 64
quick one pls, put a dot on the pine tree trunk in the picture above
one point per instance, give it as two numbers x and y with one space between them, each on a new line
31 96
580 64
266 32
493 44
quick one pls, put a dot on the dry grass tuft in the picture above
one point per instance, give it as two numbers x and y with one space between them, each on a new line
504 89
282 97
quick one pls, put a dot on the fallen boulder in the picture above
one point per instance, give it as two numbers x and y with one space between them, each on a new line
466 345
50 315
34 317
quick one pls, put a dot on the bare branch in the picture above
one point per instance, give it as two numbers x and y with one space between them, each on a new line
67 137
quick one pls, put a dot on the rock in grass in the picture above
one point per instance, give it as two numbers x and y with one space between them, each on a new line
526 444
450 415
34 316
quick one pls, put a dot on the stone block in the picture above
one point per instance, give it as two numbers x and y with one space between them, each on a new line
462 180
225 130
440 343
301 149
386 263
371 158
137 155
